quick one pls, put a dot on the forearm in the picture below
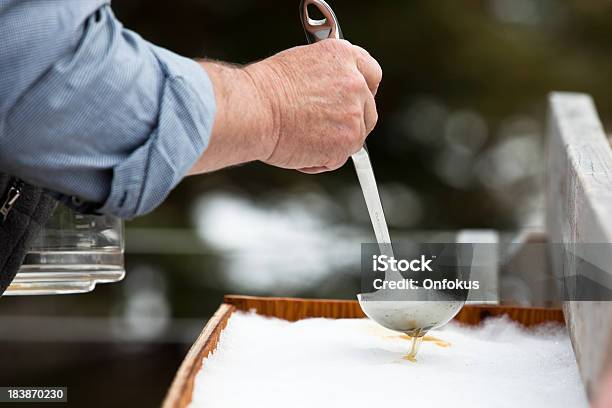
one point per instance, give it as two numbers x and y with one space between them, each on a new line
243 129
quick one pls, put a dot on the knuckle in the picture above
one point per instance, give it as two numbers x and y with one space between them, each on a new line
355 82
333 44
372 122
354 138
372 125
378 70
343 44
361 50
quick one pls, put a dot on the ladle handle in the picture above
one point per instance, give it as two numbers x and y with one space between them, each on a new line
317 30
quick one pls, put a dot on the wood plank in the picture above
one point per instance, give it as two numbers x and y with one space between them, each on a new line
293 309
579 211
179 395
526 316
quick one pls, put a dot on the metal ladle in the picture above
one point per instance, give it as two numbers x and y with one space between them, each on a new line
421 310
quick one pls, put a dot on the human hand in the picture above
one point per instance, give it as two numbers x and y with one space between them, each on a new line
307 108
322 102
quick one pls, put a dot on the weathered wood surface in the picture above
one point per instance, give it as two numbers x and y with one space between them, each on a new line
579 212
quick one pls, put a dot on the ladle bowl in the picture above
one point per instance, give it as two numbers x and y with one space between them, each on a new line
412 317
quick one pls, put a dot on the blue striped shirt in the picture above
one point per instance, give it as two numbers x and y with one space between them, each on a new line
93 112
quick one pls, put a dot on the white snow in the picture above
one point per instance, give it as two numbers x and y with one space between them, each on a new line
356 363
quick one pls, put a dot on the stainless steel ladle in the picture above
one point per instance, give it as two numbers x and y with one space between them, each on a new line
421 310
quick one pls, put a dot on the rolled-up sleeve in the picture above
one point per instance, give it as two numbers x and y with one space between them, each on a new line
107 118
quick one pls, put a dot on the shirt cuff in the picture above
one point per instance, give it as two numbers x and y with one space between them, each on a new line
186 116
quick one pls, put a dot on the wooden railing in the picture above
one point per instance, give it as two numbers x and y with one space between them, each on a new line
579 216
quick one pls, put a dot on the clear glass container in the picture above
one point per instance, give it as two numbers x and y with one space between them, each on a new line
72 254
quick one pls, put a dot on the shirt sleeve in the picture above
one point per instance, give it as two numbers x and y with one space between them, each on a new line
107 119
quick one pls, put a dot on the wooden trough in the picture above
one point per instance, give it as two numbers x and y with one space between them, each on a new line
579 211
291 309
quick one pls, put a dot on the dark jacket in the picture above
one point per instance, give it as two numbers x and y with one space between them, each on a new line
24 209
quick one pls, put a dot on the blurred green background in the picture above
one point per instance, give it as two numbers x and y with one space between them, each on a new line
459 144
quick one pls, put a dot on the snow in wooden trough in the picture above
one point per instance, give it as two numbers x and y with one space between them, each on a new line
270 362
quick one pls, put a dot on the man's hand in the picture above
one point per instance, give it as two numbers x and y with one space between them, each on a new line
307 108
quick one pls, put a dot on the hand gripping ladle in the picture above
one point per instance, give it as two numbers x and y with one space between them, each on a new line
422 310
